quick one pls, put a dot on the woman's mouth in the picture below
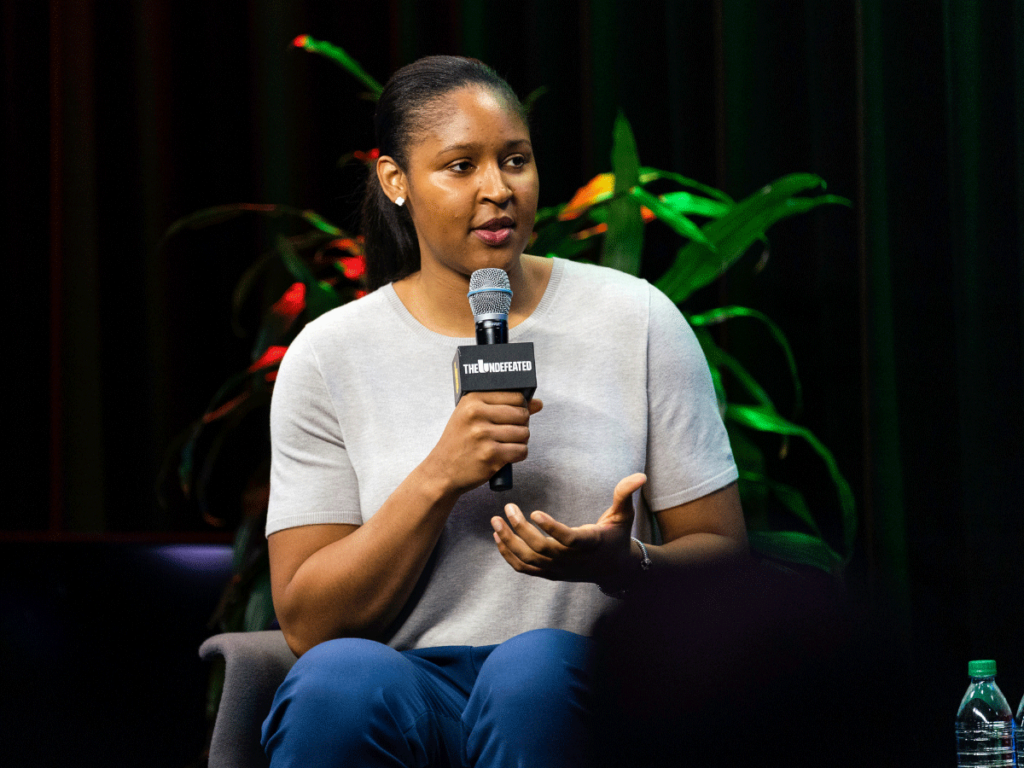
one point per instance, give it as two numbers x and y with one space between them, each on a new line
496 231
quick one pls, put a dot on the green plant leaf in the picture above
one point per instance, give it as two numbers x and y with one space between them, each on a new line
648 175
696 265
259 608
687 202
547 215
682 225
791 498
342 59
750 460
249 279
219 213
293 262
624 239
721 314
716 381
322 224
320 297
796 547
764 419
719 359
555 237
530 102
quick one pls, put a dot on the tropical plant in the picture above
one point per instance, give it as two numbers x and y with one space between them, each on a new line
323 267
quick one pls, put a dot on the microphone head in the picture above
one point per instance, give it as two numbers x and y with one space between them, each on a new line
489 292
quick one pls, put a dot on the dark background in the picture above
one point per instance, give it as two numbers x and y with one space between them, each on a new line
905 311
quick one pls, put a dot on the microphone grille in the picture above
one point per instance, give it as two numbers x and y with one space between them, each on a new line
489 292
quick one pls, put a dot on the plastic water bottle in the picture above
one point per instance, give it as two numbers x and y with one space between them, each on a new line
984 722
1020 734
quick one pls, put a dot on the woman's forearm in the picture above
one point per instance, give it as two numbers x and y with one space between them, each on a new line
695 550
673 559
707 531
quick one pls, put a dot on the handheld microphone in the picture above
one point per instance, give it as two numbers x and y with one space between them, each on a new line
490 298
494 364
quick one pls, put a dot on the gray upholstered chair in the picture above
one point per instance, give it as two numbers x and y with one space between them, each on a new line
255 665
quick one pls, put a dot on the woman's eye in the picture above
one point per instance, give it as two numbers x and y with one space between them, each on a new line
461 167
516 161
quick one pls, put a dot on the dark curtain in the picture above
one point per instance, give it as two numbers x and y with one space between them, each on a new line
905 311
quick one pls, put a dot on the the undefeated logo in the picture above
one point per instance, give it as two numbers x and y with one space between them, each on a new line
495 368
508 366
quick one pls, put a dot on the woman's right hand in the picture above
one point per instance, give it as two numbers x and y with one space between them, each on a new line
486 431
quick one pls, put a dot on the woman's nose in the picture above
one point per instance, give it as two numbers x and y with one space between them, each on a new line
494 187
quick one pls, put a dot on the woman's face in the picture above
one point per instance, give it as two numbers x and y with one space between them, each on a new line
472 184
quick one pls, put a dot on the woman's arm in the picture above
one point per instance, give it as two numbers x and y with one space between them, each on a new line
704 530
333 581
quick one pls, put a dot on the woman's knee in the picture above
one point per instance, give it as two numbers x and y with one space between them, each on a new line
540 658
531 698
346 701
529 668
348 681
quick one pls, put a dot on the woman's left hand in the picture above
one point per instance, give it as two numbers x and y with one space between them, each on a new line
547 548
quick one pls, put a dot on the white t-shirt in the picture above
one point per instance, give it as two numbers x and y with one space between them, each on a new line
365 391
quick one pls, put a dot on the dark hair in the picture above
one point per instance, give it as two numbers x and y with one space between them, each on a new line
407 106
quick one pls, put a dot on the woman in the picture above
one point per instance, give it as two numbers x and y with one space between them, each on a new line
425 636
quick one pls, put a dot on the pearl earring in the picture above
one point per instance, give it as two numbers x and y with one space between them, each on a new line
399 201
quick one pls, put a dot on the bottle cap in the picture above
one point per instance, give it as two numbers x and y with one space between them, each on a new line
982 668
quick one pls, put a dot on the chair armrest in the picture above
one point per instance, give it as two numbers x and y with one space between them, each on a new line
256 663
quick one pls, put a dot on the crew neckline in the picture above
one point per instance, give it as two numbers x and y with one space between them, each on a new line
542 308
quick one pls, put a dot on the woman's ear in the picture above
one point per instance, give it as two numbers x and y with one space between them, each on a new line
391 177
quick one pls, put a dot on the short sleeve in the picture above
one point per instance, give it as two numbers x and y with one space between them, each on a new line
688 451
311 478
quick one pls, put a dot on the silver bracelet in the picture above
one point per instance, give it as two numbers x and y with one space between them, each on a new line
645 565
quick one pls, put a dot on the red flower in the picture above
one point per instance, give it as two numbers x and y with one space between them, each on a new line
225 409
293 301
353 267
301 41
367 157
270 357
353 246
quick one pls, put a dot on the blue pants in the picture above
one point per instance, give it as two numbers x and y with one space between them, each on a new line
527 702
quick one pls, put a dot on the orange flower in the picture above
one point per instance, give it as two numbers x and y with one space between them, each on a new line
583 234
301 41
596 190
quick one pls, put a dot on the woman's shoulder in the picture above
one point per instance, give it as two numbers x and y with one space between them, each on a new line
586 276
352 320
611 300
582 285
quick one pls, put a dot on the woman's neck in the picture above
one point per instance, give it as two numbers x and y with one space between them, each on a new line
437 299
